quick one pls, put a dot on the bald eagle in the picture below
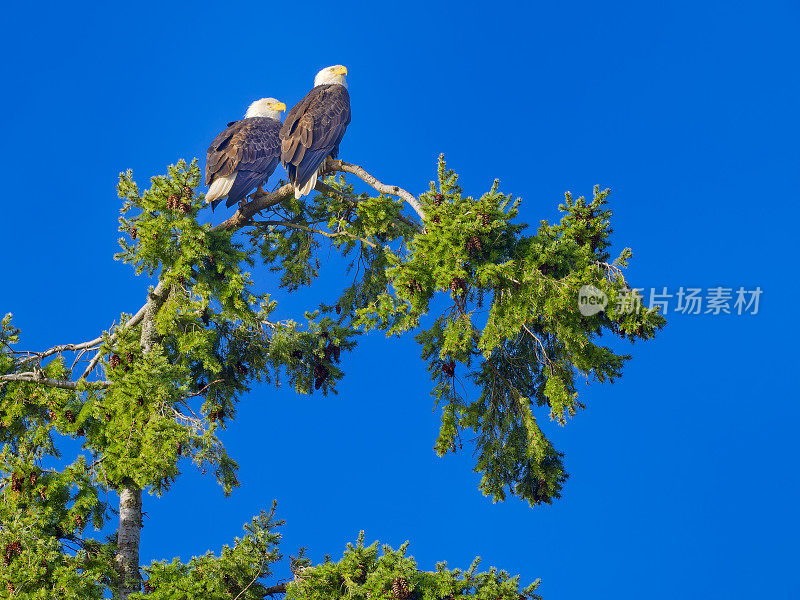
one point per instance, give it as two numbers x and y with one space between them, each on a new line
244 155
314 127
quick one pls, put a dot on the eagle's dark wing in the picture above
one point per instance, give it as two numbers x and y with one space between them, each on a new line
251 149
313 129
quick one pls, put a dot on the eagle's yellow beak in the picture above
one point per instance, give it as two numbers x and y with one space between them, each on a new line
340 71
278 106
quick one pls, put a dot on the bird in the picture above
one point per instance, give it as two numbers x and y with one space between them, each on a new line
245 154
314 128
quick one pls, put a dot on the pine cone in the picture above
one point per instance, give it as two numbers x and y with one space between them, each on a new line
187 191
457 285
184 208
361 574
10 588
115 361
321 374
33 477
546 270
11 550
438 199
400 588
69 416
474 244
414 286
241 369
332 350
449 368
51 414
178 449
486 219
133 233
172 201
148 587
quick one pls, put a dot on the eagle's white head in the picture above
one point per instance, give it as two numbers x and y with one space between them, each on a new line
266 107
334 74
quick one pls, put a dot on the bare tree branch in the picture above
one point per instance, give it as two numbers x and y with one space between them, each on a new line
38 377
612 272
258 202
275 589
57 350
134 320
393 190
311 230
258 573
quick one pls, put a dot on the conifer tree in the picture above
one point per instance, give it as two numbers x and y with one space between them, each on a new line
151 393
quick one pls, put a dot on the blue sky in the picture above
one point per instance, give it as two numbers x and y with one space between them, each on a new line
683 474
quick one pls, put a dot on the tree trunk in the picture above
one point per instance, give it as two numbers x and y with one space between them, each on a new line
130 527
130 496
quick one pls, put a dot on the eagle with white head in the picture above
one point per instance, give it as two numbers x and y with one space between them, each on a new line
314 128
245 154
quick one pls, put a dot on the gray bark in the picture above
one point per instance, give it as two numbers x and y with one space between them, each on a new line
128 535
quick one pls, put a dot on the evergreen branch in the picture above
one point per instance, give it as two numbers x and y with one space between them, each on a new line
353 201
258 201
38 377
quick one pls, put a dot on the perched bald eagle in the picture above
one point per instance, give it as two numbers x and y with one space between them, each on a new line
314 127
244 155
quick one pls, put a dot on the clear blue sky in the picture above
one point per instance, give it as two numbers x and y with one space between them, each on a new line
683 474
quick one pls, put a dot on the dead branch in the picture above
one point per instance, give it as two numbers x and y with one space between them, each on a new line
38 377
275 589
393 190
311 230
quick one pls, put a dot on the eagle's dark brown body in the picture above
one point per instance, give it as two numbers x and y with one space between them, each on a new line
312 131
250 148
